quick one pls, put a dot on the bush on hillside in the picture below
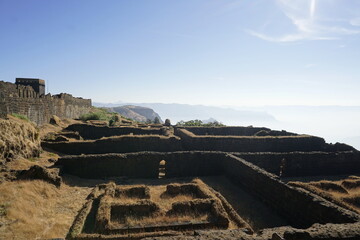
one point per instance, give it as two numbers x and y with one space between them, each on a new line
98 114
20 116
199 123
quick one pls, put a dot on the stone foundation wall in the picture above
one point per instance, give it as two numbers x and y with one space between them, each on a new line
95 132
235 131
250 143
300 207
297 164
142 165
110 165
122 144
39 109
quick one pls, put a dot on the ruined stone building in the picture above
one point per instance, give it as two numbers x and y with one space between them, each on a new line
204 183
27 97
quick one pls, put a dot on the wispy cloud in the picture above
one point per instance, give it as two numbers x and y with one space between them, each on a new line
310 23
355 21
311 65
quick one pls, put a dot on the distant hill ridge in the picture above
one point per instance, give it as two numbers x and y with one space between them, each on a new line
137 113
176 112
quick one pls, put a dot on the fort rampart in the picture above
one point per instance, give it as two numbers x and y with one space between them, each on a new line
300 207
250 143
236 131
88 131
39 108
120 144
295 164
143 164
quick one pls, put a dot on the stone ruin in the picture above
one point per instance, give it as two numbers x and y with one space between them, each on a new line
205 183
161 210
27 97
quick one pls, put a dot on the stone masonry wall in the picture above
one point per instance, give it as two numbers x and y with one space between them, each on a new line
235 131
300 207
142 164
295 164
39 109
304 143
120 144
88 131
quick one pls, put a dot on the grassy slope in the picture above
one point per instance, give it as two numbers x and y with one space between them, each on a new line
344 192
38 210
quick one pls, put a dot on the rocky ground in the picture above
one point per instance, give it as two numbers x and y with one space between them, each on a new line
35 203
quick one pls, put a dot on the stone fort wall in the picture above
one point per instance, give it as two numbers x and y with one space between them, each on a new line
39 109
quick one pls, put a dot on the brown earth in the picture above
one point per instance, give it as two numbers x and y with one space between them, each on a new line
18 138
345 192
33 209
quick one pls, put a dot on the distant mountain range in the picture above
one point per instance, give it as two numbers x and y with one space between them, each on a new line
177 112
334 123
137 113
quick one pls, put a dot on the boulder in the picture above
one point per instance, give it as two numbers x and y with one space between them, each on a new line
41 173
55 120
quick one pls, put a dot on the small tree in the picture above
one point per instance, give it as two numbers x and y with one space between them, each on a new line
157 120
117 118
167 122
199 123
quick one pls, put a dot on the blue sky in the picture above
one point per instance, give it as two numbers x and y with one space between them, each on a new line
241 53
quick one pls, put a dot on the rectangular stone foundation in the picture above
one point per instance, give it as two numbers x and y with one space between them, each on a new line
184 207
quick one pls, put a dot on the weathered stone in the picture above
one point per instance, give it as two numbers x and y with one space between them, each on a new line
167 122
41 173
55 120
39 108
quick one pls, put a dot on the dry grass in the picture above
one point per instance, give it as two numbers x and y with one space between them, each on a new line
23 163
345 192
156 195
165 220
114 138
191 134
38 210
53 128
18 138
165 203
33 209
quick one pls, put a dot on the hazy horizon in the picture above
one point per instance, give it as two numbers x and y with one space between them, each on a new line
236 52
334 123
242 54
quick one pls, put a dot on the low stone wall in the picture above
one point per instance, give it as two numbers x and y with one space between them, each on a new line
300 207
110 165
39 109
88 131
182 164
122 144
142 165
295 164
250 143
235 131
350 231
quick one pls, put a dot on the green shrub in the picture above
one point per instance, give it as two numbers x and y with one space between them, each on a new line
199 123
157 120
102 114
93 116
20 116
